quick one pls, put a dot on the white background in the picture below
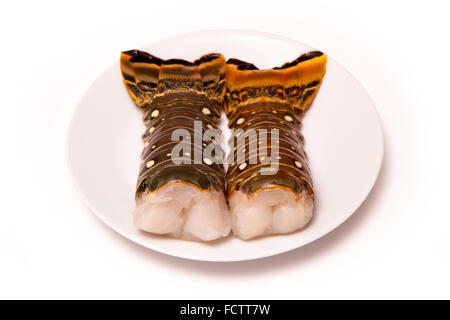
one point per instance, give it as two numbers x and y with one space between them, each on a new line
396 246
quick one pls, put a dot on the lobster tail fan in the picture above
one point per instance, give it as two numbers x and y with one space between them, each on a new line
140 71
212 68
296 82
145 76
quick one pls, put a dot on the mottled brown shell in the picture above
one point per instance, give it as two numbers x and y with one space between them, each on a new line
172 94
272 99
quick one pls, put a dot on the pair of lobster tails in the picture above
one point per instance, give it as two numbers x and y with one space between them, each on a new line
182 188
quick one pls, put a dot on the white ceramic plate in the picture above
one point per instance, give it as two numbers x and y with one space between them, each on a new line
342 133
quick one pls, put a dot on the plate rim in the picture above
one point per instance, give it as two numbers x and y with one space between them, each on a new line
273 252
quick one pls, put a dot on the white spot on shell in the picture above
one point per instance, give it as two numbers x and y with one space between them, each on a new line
240 121
169 154
155 113
209 126
187 153
206 111
151 129
150 163
207 161
288 118
153 147
274 112
298 164
242 166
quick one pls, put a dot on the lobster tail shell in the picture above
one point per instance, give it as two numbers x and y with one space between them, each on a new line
273 99
172 94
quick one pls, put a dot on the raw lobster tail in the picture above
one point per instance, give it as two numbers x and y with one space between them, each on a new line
279 199
173 94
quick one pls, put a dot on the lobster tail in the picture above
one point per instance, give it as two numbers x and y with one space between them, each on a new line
276 195
179 190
